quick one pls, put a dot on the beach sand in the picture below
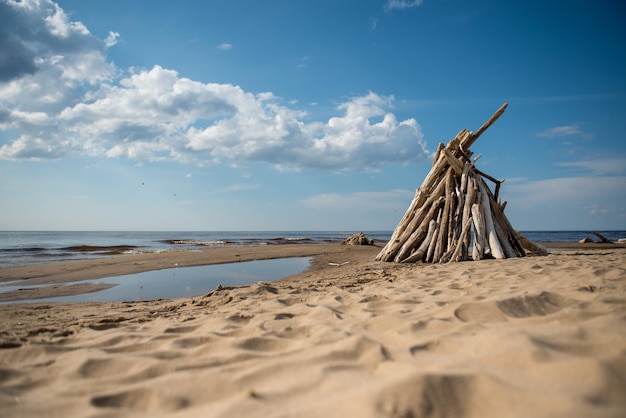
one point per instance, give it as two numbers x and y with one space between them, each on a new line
530 337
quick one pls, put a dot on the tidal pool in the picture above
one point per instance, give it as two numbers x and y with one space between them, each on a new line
182 281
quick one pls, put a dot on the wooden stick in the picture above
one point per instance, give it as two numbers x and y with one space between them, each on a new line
393 242
468 143
492 237
440 148
442 239
459 246
603 239
470 199
465 176
421 250
500 229
404 230
478 252
420 233
456 164
531 246
513 236
433 241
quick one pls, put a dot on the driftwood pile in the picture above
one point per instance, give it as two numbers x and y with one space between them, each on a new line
453 200
358 239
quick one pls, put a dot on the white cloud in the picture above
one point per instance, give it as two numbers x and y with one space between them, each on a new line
388 201
402 4
573 192
598 210
242 187
157 115
225 46
373 24
570 203
601 166
560 131
111 39
38 39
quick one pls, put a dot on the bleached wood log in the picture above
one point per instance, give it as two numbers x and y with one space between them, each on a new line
403 232
468 143
492 237
457 225
478 250
510 245
531 246
512 234
454 162
603 239
393 242
465 177
433 241
419 234
440 165
470 199
442 239
453 213
421 194
406 218
459 246
500 227
455 143
435 173
422 211
440 148
421 250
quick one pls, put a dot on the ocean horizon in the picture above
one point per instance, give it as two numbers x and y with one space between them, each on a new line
22 248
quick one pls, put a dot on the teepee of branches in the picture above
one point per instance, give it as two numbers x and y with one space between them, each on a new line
453 199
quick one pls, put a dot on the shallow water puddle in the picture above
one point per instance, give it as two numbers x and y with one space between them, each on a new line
182 281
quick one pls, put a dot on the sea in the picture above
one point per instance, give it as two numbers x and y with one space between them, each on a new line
24 248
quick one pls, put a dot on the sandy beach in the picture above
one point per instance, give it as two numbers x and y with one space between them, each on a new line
526 337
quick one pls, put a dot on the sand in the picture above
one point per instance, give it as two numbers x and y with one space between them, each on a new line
530 337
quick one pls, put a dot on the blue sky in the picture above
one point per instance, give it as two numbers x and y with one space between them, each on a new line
304 115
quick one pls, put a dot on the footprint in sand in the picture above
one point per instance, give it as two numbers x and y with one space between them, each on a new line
283 315
263 344
479 312
526 306
146 400
192 342
180 330
105 367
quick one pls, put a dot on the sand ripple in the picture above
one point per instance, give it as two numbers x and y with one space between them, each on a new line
541 337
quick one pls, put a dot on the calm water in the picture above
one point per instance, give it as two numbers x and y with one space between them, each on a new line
180 282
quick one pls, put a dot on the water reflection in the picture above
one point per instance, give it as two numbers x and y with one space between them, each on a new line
186 281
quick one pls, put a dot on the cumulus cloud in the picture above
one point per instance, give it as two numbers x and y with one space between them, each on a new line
66 99
402 4
111 39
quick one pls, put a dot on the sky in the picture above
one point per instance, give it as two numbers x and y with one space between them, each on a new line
305 115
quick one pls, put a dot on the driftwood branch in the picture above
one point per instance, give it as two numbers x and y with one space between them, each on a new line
452 203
